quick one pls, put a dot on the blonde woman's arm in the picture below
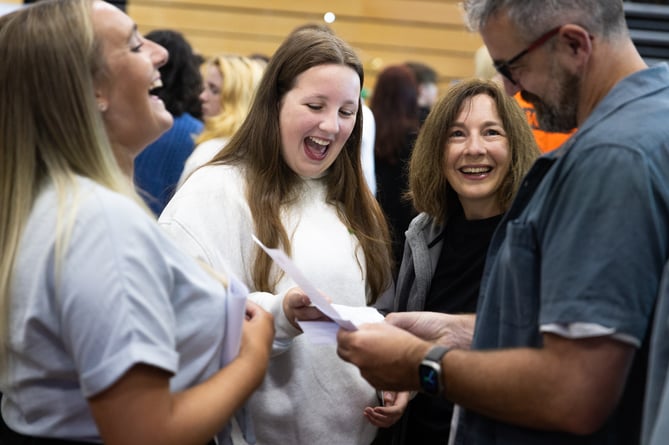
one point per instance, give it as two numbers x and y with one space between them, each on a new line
140 408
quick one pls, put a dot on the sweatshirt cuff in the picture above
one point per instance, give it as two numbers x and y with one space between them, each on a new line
284 331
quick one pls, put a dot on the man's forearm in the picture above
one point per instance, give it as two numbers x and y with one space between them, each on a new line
568 385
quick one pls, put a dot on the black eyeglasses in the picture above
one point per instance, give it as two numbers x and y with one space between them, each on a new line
504 68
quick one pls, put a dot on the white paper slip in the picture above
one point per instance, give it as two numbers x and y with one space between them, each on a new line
325 332
320 332
235 313
358 314
348 317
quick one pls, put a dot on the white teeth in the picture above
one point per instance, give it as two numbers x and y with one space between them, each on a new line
474 170
319 141
156 84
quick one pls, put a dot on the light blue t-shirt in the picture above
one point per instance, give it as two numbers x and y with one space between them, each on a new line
122 295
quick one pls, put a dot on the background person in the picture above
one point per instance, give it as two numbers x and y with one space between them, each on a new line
428 91
367 144
231 83
395 107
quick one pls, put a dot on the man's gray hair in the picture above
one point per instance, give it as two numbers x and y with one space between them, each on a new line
604 18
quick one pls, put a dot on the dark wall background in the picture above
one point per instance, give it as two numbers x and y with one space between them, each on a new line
648 22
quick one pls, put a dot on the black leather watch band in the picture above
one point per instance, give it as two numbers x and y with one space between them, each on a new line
429 371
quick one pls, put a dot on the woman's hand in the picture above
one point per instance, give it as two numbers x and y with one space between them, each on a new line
257 333
394 404
297 306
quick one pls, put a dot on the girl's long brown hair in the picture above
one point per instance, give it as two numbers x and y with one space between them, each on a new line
271 184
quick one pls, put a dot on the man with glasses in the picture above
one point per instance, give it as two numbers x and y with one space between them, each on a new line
571 277
546 140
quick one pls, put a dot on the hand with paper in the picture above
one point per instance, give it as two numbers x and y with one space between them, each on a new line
297 306
337 315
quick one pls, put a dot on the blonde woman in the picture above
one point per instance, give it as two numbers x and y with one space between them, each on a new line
230 82
101 315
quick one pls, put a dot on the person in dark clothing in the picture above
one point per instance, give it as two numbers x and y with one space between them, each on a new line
395 107
465 169
428 91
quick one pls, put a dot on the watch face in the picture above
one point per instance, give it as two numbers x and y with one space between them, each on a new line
429 379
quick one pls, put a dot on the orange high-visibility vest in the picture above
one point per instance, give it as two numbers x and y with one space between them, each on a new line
547 141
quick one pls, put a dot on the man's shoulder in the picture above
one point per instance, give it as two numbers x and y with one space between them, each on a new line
632 116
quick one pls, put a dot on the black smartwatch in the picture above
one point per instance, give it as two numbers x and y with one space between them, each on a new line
429 371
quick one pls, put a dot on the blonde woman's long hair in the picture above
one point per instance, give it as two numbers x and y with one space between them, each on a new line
50 127
241 76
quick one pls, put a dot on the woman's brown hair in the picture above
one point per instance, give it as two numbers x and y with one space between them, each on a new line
271 184
429 189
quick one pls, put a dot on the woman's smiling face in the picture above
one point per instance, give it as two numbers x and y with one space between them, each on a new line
317 117
477 158
132 116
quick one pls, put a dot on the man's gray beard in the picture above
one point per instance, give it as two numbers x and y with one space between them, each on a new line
560 119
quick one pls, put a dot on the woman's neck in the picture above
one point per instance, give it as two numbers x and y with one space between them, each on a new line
125 160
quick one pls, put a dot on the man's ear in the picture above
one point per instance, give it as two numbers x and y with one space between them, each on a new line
577 40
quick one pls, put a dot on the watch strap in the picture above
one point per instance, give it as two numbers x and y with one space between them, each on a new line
430 370
436 353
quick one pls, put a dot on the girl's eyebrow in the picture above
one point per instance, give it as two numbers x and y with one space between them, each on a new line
325 97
